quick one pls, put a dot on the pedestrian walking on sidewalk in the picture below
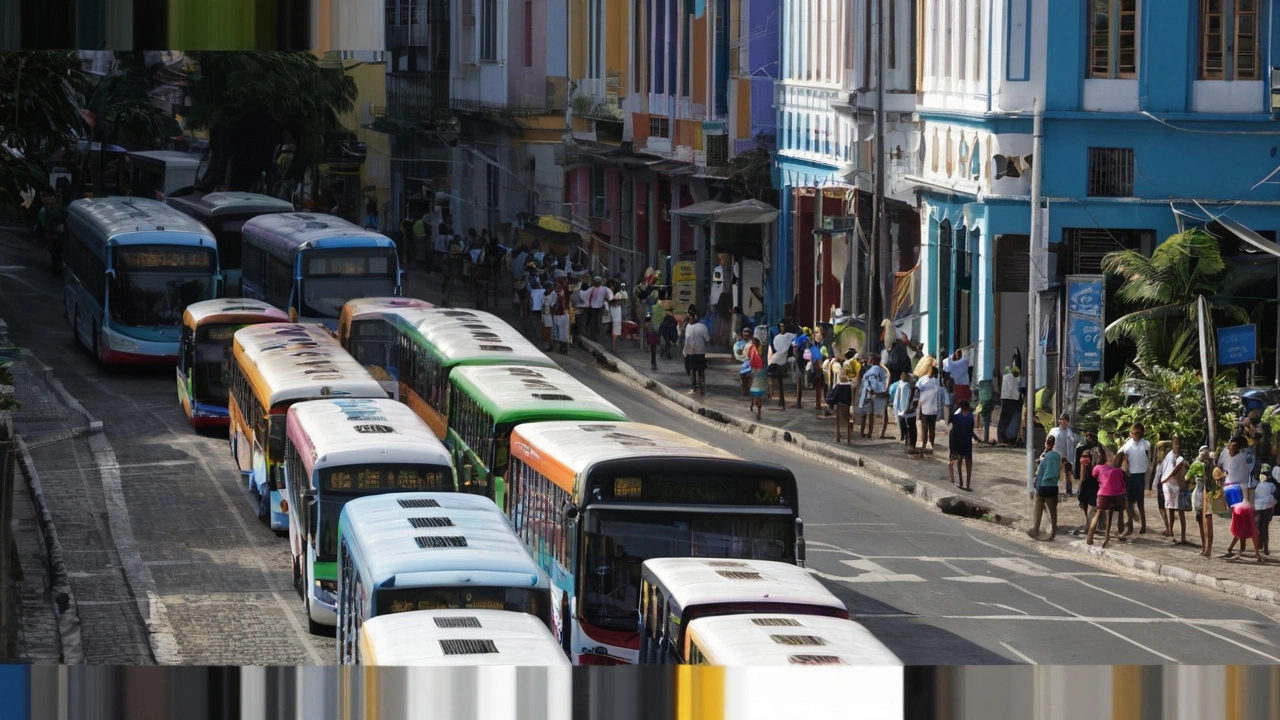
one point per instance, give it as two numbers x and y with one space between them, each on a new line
960 443
696 340
618 300
1244 528
819 353
1088 485
651 337
1065 440
1137 452
581 308
1047 476
1171 479
1010 405
841 397
957 366
560 317
1111 499
903 393
1264 504
744 363
874 398
596 298
759 376
987 407
929 390
1201 473
779 367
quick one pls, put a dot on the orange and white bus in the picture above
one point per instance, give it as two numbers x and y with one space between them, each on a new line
204 355
365 333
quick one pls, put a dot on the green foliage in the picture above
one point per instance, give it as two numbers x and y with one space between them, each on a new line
131 119
41 95
7 403
1163 291
252 101
1169 402
751 172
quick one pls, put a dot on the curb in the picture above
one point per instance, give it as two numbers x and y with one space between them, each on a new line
64 603
929 493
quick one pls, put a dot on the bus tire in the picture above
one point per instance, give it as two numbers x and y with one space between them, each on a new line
313 627
97 349
264 506
297 579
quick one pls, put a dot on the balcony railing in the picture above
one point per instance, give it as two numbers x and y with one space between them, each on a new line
417 96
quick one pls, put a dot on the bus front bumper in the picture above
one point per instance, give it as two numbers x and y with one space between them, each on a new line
120 349
204 415
323 605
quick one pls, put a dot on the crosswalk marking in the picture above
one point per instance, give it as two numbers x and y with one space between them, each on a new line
871 572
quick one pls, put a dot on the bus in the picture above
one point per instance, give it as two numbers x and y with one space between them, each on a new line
371 340
131 268
450 638
430 551
276 365
310 264
337 450
156 173
204 365
594 500
487 401
675 591
225 213
782 639
430 343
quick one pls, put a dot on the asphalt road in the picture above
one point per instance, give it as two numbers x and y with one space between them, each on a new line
935 589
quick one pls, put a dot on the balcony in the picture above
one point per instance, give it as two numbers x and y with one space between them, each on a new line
417 96
410 25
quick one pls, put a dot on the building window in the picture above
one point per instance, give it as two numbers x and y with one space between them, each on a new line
1113 39
1111 172
659 127
1229 39
488 30
717 150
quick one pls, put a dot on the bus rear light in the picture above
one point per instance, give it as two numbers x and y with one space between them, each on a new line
284 505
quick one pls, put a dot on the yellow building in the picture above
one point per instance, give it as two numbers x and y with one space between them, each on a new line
372 176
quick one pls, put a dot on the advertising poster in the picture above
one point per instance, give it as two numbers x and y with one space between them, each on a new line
1085 322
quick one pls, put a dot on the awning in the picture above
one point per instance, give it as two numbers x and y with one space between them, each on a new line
673 168
746 212
1248 236
554 224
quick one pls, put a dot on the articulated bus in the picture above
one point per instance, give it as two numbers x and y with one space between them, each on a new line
487 401
337 450
782 639
594 500
431 343
675 591
132 266
451 638
365 333
277 365
225 213
204 367
311 264
430 551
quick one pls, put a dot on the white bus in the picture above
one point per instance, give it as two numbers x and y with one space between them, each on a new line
335 451
782 639
364 331
430 551
447 638
674 592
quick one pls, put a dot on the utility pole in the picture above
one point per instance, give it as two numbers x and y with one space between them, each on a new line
1033 288
1202 322
879 229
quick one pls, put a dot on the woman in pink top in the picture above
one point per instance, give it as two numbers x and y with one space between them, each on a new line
1111 497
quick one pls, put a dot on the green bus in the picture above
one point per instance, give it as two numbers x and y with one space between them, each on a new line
487 401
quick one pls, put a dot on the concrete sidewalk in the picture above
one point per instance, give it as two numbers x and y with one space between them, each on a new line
999 493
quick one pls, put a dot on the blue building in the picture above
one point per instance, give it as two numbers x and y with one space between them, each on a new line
1158 116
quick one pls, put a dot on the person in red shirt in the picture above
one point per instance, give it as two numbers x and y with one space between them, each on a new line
1111 498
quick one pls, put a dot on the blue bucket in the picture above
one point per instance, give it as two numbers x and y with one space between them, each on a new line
1234 495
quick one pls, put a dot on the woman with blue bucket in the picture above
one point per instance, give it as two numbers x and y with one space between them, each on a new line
1236 465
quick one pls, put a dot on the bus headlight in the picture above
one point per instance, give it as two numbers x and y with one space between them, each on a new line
121 343
327 592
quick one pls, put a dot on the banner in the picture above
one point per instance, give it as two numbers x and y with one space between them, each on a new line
1085 322
1238 345
684 286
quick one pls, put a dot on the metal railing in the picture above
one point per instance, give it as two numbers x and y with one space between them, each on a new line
417 96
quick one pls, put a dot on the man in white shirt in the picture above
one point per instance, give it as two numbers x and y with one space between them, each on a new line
929 389
1065 441
1235 462
1137 450
696 339
1169 479
581 305
597 296
778 366
957 366
1010 407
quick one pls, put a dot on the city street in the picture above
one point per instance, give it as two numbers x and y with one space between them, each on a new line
935 589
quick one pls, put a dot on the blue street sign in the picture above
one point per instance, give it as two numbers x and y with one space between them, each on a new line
1238 345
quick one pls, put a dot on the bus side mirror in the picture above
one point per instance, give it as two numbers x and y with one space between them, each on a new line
219 285
309 513
569 511
111 273
399 283
799 542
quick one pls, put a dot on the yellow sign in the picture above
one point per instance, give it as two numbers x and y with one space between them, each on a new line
683 272
684 285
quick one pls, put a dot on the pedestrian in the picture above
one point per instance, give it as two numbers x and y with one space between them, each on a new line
987 407
1111 498
537 298
960 443
818 354
669 330
779 368
1010 406
1234 463
1137 452
929 390
957 366
1244 528
875 398
696 340
1088 495
618 299
581 307
841 398
744 363
1047 476
1171 479
799 359
651 338
1264 504
548 319
759 376
1201 473
902 393
406 240
419 238
371 214
1065 440
560 317
597 297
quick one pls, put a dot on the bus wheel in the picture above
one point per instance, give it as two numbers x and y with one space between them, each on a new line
297 579
313 627
264 506
97 351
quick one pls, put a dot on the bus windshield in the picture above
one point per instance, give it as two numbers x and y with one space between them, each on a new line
372 342
523 600
332 277
213 360
338 485
617 542
153 284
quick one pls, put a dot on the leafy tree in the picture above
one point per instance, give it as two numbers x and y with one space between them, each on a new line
1169 401
132 120
1164 290
250 102
41 96
751 173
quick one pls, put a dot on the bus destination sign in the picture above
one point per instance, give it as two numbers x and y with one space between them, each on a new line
157 257
405 478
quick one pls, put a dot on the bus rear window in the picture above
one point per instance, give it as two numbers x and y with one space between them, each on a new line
349 263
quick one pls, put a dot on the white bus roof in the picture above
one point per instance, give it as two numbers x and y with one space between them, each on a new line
365 308
459 637
703 581
112 217
783 639
336 432
234 310
516 390
304 362
383 535
580 445
215 204
170 158
472 336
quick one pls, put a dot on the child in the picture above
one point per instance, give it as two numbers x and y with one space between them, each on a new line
651 337
1111 498
1243 527
1264 504
759 378
841 396
1047 475
902 393
1088 495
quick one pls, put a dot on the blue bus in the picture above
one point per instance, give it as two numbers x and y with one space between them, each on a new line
430 551
131 268
310 265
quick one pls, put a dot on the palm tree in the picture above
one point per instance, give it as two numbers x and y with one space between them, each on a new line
1163 289
41 96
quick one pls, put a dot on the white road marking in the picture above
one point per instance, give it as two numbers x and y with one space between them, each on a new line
809 525
978 579
1096 623
993 546
871 573
1002 607
1022 567
1014 650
